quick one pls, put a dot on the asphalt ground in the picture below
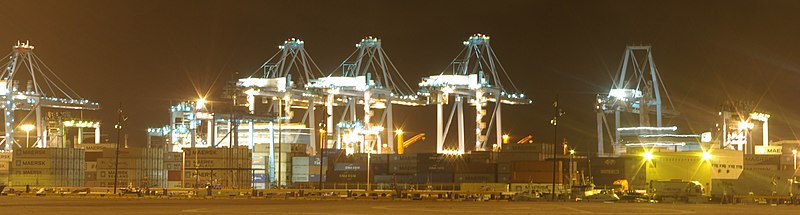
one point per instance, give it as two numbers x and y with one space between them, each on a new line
121 206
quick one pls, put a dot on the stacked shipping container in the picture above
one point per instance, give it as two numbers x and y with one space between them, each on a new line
218 167
138 167
52 167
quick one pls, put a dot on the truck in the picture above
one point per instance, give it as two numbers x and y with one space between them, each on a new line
677 190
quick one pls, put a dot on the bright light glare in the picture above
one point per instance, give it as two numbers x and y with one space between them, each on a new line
398 131
706 155
201 102
745 125
451 152
648 155
27 127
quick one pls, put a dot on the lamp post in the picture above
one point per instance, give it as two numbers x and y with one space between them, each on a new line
27 128
571 171
399 133
792 180
558 113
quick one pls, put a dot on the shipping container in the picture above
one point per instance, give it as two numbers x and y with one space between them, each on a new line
535 166
5 165
520 156
442 167
504 168
473 177
5 156
422 178
347 177
403 157
316 178
173 157
173 175
350 167
536 177
300 161
299 178
484 187
391 179
504 178
477 168
402 168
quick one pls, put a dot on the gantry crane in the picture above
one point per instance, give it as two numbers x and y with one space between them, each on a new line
475 76
275 82
369 78
638 90
44 90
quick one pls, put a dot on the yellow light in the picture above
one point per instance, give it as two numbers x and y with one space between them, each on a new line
201 102
706 156
572 151
398 132
745 125
647 155
27 127
794 151
505 138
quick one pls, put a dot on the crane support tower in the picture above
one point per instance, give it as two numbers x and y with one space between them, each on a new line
477 77
272 89
638 90
44 90
369 78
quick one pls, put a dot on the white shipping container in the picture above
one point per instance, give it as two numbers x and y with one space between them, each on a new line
300 169
300 161
299 178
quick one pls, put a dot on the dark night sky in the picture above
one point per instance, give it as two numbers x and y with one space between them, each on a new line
145 53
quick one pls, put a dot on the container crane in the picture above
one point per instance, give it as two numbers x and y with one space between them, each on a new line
638 90
475 76
367 77
44 90
274 83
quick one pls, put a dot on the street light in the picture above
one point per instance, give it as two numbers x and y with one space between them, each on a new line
558 113
794 156
706 155
399 133
201 102
27 128
505 138
647 155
